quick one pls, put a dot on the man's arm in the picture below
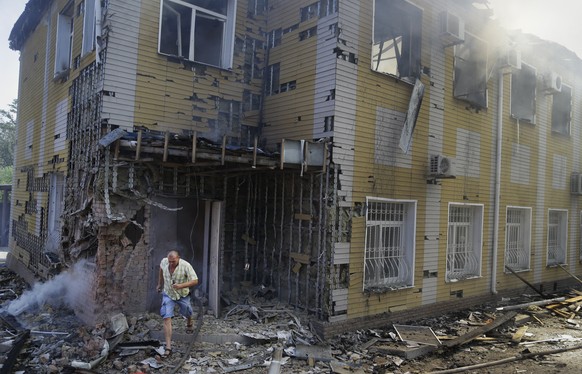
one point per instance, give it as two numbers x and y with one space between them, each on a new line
160 280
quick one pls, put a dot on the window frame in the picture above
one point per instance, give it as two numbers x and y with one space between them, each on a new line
409 69
196 12
407 245
524 240
567 129
519 94
562 238
64 39
474 253
470 91
89 23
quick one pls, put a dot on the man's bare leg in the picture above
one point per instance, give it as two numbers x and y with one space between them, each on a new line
168 332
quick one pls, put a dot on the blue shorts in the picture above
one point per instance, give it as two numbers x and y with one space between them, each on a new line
167 309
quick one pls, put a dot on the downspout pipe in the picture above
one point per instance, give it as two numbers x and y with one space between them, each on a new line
497 192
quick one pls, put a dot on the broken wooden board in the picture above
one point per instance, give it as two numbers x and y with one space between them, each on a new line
480 330
417 334
404 351
516 338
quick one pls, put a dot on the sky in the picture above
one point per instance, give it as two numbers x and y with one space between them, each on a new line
555 20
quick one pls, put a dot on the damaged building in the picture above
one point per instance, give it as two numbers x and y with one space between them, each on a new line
381 159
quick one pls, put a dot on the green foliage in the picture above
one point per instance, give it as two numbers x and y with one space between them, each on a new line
7 141
6 175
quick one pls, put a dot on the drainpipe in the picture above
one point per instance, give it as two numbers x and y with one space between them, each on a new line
497 183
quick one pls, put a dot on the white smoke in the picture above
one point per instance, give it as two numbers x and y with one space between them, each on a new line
64 290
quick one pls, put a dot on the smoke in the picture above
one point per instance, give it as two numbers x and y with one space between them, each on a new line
64 290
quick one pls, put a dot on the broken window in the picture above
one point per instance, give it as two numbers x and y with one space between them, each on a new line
229 116
64 43
557 233
198 30
306 34
561 110
464 242
390 233
256 7
397 38
470 82
523 93
327 7
517 238
309 12
251 67
272 79
251 101
275 37
89 26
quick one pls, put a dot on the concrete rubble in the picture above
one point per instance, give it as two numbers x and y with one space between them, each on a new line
257 335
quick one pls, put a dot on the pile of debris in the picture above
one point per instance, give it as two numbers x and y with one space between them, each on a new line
257 335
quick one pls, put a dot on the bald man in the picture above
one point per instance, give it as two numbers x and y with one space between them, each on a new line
175 279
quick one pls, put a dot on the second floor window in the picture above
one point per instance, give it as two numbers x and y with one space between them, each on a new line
523 93
198 30
562 110
64 39
397 38
471 71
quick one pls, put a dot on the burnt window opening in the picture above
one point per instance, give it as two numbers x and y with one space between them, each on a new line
288 86
397 38
327 7
256 7
523 93
309 12
251 101
198 30
470 82
328 123
272 79
252 69
89 23
229 114
306 34
274 37
64 43
562 110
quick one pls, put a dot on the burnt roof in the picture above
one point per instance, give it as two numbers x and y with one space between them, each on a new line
27 22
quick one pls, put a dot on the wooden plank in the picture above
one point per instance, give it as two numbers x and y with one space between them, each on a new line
138 148
303 216
302 258
480 330
516 338
166 141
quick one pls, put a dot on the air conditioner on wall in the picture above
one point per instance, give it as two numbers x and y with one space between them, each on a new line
552 82
451 29
442 167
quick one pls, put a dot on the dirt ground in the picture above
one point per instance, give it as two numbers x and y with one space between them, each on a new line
253 327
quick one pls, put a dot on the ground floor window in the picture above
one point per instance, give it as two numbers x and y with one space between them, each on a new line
464 242
517 238
557 236
390 244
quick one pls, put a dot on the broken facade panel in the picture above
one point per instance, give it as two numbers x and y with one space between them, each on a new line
271 156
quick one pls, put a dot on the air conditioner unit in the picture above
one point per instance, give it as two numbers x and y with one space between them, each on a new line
451 29
576 184
552 82
442 166
511 58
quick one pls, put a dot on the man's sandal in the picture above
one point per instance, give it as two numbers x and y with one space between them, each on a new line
189 329
167 352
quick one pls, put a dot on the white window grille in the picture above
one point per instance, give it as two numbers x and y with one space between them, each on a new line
64 42
557 236
464 242
390 244
518 238
198 30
